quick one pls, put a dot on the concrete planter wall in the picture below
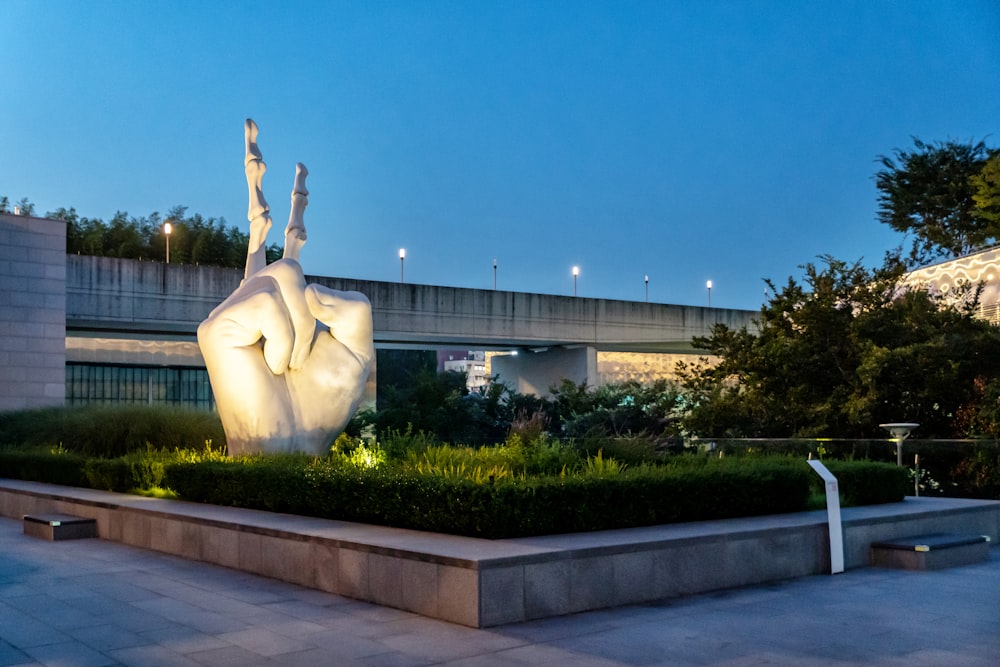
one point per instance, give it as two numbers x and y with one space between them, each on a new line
483 583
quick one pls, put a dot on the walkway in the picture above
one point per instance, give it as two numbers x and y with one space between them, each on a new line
91 602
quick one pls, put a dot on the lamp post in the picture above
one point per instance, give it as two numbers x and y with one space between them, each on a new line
402 257
576 272
494 274
167 228
709 286
647 288
899 432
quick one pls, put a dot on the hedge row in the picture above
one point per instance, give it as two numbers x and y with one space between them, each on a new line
869 483
691 489
504 508
953 468
122 474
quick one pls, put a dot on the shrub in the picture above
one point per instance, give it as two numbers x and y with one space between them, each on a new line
504 507
53 465
868 482
111 431
978 476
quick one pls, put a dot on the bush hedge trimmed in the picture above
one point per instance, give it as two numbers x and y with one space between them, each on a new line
688 488
502 508
868 482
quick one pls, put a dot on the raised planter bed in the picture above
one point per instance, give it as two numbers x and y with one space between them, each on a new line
480 583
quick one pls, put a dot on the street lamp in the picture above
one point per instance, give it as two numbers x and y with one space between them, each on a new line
709 286
402 256
494 274
647 288
167 228
899 431
576 272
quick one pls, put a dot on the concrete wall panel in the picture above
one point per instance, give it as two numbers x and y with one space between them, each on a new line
32 312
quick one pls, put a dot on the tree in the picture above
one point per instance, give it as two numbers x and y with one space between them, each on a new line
987 190
928 193
25 207
841 354
193 239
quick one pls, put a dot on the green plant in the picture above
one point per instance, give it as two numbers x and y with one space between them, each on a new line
111 431
598 466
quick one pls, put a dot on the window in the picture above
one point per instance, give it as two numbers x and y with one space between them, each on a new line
152 385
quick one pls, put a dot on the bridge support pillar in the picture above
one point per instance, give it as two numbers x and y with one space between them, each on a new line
535 372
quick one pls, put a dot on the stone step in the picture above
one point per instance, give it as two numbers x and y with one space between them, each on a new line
930 552
59 526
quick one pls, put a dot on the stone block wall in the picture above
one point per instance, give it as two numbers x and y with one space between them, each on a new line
32 312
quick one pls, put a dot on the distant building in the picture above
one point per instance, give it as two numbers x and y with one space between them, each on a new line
956 281
472 363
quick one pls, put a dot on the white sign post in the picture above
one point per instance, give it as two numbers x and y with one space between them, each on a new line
833 516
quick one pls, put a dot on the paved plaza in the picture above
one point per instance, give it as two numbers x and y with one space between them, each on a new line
92 602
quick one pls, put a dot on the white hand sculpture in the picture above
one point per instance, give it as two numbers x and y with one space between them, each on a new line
288 362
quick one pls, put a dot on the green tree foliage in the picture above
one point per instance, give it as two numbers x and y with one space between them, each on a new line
837 356
987 191
413 397
193 239
24 206
441 404
614 410
929 192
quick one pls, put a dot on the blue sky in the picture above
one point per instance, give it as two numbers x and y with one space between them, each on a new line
723 141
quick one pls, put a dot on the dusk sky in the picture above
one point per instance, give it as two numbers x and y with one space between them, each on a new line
690 141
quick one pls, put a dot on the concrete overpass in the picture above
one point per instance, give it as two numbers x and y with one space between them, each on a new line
158 308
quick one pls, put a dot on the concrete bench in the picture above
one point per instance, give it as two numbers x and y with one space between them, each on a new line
930 552
59 526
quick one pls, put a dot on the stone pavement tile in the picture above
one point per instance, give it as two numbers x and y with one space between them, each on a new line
187 614
100 604
563 659
63 588
938 658
157 583
151 655
107 637
317 657
559 627
264 642
70 654
293 628
182 639
218 602
392 659
306 611
23 631
441 642
347 645
55 613
528 654
490 660
231 656
10 656
137 620
649 645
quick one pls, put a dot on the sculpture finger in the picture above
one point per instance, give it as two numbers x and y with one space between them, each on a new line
348 315
295 232
291 284
254 314
258 212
